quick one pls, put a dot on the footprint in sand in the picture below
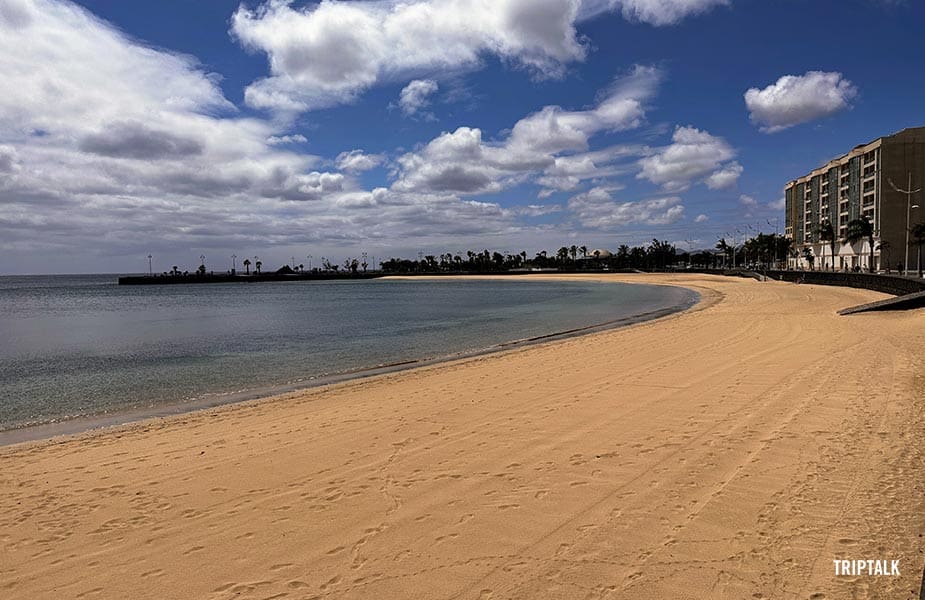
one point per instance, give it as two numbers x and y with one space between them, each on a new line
848 542
330 582
633 576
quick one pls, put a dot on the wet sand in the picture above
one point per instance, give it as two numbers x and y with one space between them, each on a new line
731 451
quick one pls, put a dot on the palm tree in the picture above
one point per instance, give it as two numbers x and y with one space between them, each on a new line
859 229
623 255
584 251
723 246
752 246
247 265
782 247
257 266
562 255
918 240
808 257
827 234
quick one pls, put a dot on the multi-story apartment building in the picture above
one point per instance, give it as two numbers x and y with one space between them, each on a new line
853 186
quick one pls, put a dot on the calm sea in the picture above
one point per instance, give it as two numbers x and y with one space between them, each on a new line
73 346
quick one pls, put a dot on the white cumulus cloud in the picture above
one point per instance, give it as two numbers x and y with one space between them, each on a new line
693 156
539 210
657 12
328 53
552 141
356 161
726 177
287 139
596 209
416 95
796 99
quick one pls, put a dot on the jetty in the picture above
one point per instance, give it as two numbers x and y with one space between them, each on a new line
198 277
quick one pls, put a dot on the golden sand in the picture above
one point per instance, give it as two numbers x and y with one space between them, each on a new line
731 451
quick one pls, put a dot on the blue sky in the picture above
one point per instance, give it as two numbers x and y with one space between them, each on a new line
184 128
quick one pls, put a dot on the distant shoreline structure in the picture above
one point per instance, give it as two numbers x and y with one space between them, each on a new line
193 278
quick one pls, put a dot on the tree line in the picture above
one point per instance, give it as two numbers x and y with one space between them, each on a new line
859 230
762 251
655 255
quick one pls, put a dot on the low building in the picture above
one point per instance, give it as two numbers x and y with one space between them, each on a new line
857 185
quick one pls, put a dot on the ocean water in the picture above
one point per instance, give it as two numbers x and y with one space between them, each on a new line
77 346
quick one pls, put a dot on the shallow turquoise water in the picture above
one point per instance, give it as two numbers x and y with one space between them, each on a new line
82 345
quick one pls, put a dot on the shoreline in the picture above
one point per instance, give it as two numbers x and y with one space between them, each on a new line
733 450
77 425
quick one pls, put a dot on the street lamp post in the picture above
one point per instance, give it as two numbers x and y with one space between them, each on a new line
908 228
757 230
726 236
909 206
776 241
734 243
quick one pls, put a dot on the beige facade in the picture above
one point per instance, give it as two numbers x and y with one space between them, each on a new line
852 186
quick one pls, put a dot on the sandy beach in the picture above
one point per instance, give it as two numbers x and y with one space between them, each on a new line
731 451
